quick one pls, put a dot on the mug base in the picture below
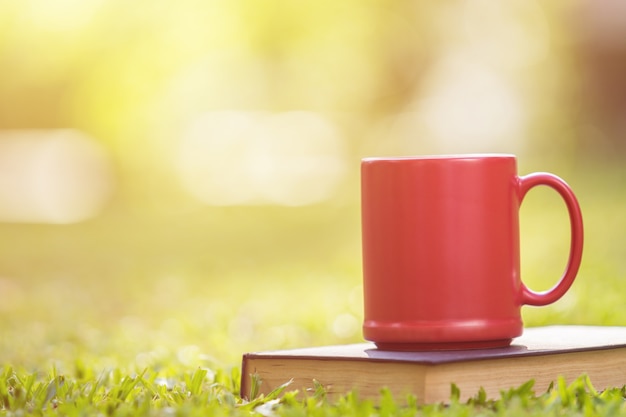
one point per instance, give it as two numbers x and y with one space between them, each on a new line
416 347
442 334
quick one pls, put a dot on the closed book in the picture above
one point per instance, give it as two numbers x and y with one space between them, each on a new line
542 354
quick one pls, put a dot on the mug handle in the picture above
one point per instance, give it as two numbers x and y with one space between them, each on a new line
530 297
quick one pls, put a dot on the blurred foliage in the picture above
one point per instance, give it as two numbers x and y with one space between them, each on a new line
158 276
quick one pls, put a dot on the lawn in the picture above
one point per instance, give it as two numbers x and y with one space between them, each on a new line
149 313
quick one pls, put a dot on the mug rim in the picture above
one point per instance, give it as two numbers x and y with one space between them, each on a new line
439 157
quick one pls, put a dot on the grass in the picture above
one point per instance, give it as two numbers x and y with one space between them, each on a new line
202 392
149 314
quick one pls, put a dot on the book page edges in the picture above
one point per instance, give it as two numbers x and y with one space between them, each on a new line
431 383
337 377
605 368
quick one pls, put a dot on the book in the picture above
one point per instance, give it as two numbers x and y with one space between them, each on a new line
542 354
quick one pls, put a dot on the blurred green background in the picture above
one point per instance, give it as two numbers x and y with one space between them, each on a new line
179 181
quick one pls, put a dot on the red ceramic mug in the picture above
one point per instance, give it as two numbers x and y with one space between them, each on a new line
441 254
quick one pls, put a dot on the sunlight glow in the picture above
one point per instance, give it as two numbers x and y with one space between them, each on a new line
523 32
51 176
475 97
61 15
466 107
233 158
470 106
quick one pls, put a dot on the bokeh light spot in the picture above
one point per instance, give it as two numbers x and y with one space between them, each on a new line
235 158
52 176
346 325
471 108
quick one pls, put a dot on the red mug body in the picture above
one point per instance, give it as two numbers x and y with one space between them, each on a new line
441 252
